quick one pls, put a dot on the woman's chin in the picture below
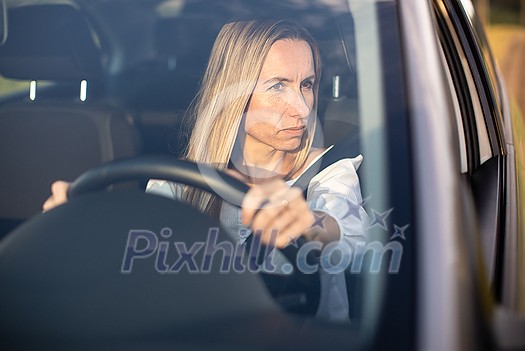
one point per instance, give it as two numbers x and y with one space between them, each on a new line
290 146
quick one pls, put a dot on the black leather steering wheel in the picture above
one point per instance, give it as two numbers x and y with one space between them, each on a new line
299 294
161 167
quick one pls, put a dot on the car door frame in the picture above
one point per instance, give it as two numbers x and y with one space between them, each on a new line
493 182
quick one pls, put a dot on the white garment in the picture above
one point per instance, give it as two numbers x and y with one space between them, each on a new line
336 191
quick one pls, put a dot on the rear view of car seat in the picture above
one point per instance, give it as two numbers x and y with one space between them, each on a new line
338 100
58 136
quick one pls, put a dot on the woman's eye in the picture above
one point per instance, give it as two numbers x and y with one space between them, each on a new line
307 84
277 86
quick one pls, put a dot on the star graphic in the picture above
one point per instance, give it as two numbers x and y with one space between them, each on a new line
380 218
353 207
319 219
399 232
353 210
292 240
365 200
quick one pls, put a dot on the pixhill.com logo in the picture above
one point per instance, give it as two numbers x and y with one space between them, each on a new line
167 255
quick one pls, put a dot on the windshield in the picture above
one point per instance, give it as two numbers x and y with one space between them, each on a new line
156 56
361 98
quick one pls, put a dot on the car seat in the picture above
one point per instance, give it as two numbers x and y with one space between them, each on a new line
62 129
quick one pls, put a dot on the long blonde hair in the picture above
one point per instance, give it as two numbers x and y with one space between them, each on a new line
233 69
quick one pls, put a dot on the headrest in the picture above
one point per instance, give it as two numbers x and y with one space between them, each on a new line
186 38
49 42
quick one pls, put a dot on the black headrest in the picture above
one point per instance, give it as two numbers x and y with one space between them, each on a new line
186 38
49 42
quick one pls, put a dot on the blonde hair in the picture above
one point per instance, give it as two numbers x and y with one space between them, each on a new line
233 69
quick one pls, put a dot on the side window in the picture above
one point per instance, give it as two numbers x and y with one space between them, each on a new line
457 115
485 151
466 94
489 62
478 124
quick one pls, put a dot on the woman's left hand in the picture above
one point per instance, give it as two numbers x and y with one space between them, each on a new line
276 212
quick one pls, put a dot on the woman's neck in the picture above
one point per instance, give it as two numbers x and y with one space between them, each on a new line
261 161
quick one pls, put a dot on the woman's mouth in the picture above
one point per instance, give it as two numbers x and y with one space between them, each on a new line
295 131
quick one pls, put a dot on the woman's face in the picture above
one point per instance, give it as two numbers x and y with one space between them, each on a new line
283 97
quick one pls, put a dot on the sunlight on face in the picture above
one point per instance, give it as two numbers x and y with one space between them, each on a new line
282 100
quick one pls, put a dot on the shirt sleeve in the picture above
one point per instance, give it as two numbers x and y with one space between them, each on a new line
336 191
164 188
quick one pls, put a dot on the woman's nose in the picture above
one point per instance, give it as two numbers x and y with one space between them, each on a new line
299 105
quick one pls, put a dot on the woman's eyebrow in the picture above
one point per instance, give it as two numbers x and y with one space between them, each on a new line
277 79
311 77
287 80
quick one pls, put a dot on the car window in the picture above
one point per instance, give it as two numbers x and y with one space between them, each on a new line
361 96
456 115
154 74
485 150
478 144
489 64
480 127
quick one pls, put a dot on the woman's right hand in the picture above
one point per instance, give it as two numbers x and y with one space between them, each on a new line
58 195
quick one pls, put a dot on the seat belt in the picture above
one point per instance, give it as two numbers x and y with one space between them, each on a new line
346 148
300 292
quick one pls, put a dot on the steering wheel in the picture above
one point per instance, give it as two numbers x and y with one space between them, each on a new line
159 167
298 292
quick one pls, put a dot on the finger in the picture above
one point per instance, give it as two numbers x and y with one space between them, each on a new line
51 203
250 212
58 195
279 212
277 219
260 197
296 221
292 232
48 204
273 214
283 225
269 239
59 191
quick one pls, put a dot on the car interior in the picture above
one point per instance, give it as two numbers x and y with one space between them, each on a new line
81 114
54 135
101 92
96 94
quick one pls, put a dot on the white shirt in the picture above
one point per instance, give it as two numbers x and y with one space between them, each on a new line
336 191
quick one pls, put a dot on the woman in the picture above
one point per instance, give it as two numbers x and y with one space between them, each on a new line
255 119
